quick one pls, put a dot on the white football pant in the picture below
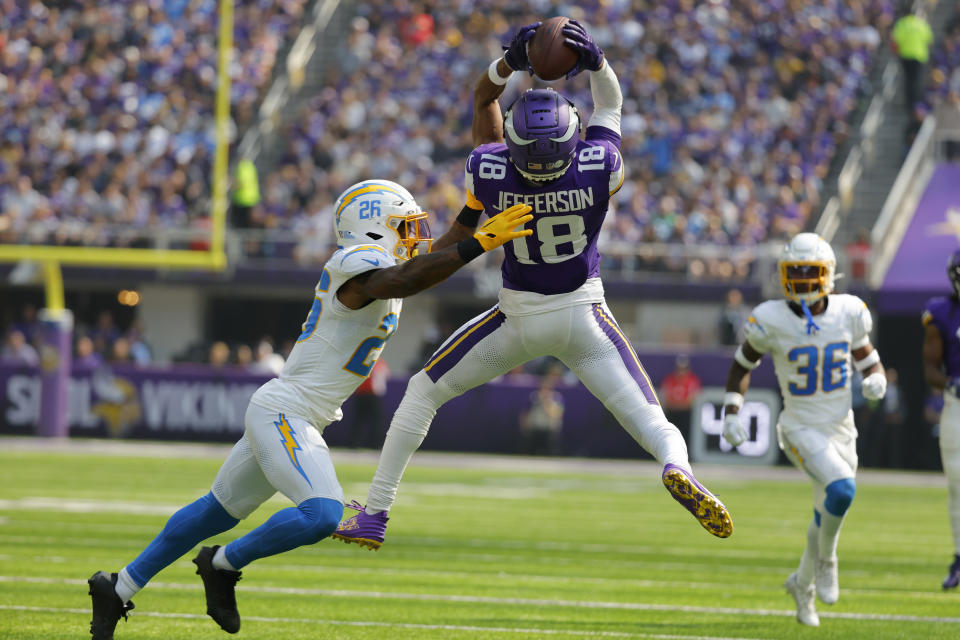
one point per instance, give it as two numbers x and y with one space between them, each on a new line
277 452
585 337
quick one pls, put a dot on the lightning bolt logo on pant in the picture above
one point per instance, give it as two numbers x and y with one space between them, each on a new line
289 441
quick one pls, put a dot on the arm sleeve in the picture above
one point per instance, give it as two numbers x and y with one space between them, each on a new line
862 325
756 333
607 99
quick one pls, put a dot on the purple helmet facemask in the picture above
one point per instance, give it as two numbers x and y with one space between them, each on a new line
541 129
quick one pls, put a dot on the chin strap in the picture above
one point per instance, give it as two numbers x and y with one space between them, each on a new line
812 327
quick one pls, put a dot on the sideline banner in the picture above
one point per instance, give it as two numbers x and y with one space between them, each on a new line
202 403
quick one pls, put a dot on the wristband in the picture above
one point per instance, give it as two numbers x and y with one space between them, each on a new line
868 361
742 360
469 249
733 399
494 74
469 217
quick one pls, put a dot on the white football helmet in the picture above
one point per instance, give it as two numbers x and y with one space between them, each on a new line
807 268
383 213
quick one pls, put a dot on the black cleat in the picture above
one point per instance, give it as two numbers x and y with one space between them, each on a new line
218 584
108 608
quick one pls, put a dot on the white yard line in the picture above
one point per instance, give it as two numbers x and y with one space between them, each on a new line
527 602
397 625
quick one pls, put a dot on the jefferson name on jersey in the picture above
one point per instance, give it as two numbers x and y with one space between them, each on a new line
549 202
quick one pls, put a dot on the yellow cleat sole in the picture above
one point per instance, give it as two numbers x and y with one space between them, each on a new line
363 542
708 511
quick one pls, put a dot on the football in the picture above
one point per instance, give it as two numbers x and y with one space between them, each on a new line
549 56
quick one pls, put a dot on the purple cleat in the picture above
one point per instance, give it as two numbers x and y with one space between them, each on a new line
704 506
364 529
953 577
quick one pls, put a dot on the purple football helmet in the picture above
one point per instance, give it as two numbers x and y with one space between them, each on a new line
542 129
953 271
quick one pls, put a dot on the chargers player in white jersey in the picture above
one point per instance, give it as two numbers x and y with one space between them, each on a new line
811 336
552 300
382 256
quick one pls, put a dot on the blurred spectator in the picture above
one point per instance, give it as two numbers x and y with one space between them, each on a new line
219 354
267 361
120 352
858 256
86 356
541 424
678 391
244 356
28 324
733 316
17 350
912 38
367 427
139 349
104 333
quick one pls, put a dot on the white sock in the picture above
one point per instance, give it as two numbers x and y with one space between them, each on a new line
398 448
829 534
649 427
220 560
808 561
126 588
407 430
370 511
953 491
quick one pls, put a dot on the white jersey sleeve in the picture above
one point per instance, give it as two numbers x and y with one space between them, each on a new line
759 328
861 323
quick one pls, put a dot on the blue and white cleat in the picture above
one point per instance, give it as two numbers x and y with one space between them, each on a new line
704 506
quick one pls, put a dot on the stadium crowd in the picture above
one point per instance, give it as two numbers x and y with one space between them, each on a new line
733 110
106 111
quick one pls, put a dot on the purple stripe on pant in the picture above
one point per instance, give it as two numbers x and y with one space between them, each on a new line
629 358
462 342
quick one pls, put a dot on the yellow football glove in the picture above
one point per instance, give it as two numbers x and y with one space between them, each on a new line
499 229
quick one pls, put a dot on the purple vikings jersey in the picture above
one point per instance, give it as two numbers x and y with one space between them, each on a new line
567 212
944 313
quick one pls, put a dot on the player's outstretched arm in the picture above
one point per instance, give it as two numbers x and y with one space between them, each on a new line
462 229
604 86
422 272
487 117
738 381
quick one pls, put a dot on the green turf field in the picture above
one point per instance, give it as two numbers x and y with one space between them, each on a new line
508 551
